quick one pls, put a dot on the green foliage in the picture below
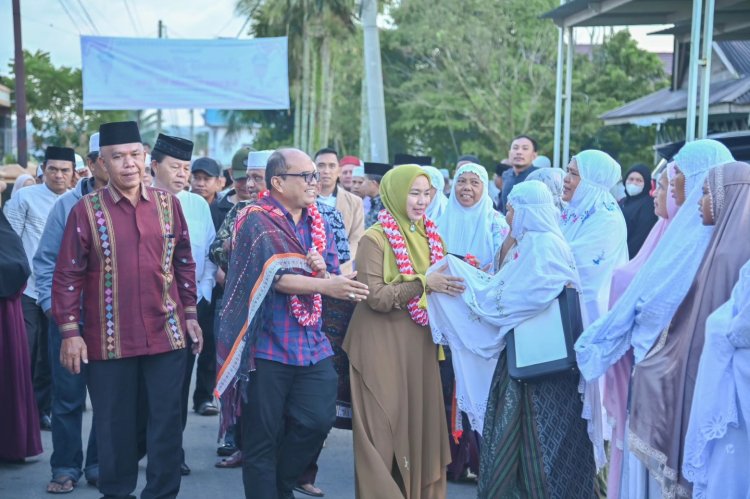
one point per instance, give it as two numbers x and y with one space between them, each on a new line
54 99
615 73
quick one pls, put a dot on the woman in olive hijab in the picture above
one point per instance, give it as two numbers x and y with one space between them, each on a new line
400 443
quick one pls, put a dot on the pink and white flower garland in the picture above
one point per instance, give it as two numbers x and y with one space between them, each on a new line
397 242
304 316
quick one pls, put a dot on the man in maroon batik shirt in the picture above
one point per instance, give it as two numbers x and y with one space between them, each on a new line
127 249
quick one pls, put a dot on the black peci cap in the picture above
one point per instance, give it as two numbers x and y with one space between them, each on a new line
119 132
61 153
176 147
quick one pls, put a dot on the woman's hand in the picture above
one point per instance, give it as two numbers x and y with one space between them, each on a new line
448 284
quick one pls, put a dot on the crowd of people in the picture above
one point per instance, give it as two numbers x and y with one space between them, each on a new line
310 292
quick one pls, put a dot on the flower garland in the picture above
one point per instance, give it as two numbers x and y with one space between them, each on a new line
397 242
471 260
305 317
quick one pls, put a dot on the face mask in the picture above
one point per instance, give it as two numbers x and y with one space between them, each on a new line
633 190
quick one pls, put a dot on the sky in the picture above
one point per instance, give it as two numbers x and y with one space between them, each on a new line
54 26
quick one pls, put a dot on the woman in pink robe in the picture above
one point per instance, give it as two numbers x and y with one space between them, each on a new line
617 379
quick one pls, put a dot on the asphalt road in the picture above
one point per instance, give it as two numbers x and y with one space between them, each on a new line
335 475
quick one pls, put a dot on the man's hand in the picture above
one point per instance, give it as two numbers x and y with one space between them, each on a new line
196 335
72 353
344 287
317 263
221 277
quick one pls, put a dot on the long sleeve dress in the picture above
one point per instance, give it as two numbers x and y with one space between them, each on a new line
400 443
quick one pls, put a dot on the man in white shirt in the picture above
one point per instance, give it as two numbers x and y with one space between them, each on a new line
170 162
27 213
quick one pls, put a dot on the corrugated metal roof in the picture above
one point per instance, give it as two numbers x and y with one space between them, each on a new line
738 54
666 101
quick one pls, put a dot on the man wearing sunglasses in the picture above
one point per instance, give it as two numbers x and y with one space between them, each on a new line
274 357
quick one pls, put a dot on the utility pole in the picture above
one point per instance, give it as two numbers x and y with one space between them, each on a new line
158 111
374 77
20 73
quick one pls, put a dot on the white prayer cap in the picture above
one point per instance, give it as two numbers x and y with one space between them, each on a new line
39 171
358 171
257 159
94 143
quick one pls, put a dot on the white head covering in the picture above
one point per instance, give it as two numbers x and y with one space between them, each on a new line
18 185
358 171
542 161
553 179
440 201
533 209
475 323
651 299
722 398
257 159
595 228
478 230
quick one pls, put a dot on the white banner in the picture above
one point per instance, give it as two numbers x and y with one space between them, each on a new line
152 73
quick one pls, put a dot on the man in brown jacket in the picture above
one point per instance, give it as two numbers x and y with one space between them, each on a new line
350 205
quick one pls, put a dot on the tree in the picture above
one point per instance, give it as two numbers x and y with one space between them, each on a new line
55 104
615 73
468 76
317 31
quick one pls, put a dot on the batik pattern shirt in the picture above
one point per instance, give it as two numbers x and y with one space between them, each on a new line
372 216
134 266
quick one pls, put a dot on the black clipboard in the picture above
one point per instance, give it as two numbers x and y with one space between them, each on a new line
562 324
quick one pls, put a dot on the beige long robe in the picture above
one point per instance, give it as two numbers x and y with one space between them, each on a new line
400 438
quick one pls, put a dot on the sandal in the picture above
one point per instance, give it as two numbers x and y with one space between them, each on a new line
233 461
62 484
309 489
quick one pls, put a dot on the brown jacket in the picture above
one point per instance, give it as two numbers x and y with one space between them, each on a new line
353 214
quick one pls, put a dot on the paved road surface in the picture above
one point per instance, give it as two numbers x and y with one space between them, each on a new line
336 475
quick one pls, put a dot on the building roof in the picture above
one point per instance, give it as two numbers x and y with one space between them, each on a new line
729 96
732 17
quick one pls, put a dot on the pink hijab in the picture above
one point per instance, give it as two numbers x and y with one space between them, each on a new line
617 378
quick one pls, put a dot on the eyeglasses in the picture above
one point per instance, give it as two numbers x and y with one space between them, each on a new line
307 176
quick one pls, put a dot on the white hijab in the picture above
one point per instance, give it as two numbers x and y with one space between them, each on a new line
475 323
720 413
553 179
595 228
478 230
650 301
440 201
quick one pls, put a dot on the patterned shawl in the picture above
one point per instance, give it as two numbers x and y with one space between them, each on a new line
263 243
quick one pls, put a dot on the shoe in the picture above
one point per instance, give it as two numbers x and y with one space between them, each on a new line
207 409
233 461
184 469
226 450
309 489
45 423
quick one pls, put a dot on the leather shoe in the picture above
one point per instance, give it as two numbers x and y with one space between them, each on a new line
207 409
226 450
184 469
45 423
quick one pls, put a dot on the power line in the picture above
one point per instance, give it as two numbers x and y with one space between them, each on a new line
130 15
88 17
70 16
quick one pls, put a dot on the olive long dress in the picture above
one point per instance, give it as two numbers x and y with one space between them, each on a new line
400 443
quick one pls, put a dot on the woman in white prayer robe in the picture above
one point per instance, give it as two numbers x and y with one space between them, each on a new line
535 442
